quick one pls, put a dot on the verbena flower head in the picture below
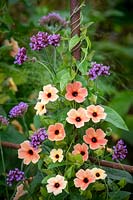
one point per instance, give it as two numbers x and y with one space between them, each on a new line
14 175
76 92
56 184
52 19
98 70
28 153
3 120
120 151
38 137
21 57
39 41
83 179
54 39
95 139
18 110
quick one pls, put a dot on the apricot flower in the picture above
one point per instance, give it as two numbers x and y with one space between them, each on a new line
56 184
28 153
40 108
81 149
56 132
96 113
76 92
49 93
95 139
98 173
77 117
84 178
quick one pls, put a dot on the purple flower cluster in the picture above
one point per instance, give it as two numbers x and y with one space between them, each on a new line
14 175
42 40
53 19
38 137
3 120
98 70
18 110
120 151
54 39
21 57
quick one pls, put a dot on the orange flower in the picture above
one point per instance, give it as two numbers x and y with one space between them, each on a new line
48 94
84 178
76 92
28 153
96 113
56 132
40 107
98 173
56 184
81 149
77 117
95 138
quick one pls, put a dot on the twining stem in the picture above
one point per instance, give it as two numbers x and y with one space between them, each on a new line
4 168
52 76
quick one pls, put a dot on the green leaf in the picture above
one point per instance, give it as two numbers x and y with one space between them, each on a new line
64 80
98 186
118 174
83 67
119 195
54 165
114 118
36 121
73 42
70 172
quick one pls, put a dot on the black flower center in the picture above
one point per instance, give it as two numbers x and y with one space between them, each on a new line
75 94
49 95
94 139
86 180
78 119
43 107
97 174
30 152
57 155
56 185
82 153
56 132
94 114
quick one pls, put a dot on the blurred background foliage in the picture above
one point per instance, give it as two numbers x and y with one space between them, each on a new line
112 44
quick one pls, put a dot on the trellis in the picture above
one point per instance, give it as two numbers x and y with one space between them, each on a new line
76 53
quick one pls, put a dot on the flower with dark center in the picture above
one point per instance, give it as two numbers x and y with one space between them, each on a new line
56 155
120 151
98 173
83 179
56 132
81 149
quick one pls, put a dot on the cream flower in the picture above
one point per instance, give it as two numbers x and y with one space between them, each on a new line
40 108
56 155
56 185
98 173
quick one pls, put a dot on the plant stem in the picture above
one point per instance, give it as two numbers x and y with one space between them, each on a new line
46 68
4 168
54 58
25 127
